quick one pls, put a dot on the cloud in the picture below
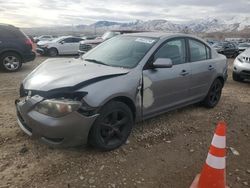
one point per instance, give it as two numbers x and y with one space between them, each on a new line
28 13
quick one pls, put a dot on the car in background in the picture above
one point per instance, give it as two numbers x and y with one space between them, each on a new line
87 45
15 48
98 98
66 45
226 48
44 38
243 46
241 66
89 37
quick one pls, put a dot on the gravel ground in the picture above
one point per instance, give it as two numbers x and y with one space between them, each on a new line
166 151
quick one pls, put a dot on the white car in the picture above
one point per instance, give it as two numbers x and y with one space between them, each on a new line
241 68
243 46
65 45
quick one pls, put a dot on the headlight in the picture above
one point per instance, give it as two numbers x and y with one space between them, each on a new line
57 108
240 59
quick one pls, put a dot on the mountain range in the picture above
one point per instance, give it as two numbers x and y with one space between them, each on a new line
238 24
206 25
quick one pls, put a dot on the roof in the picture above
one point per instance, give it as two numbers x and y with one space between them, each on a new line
157 34
6 25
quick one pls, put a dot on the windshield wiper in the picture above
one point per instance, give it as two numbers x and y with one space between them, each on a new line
96 61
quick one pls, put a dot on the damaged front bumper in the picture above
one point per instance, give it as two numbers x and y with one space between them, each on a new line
69 130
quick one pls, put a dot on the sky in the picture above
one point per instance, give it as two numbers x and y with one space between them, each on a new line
35 13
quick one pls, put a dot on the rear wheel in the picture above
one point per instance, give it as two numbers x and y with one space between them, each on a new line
112 127
53 52
214 94
237 77
10 62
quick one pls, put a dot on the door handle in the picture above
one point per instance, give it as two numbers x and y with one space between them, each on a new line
184 73
210 67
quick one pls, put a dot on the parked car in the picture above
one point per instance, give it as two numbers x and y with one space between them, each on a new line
241 68
15 48
44 38
98 98
227 49
87 45
243 46
59 46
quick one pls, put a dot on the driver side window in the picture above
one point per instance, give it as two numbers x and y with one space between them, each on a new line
174 50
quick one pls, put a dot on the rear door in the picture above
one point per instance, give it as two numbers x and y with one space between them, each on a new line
203 69
165 88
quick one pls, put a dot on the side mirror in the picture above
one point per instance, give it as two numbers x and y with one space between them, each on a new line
62 42
163 63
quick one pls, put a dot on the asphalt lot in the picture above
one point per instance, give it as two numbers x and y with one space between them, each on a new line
166 151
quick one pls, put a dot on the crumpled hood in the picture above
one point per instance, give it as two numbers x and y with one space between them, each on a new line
40 43
64 72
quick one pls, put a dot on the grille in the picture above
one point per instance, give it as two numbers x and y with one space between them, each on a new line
246 59
85 47
246 72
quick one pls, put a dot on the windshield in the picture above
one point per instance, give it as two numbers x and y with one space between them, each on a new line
121 51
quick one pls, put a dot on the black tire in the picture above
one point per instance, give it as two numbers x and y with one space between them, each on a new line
237 77
214 94
10 62
113 126
53 52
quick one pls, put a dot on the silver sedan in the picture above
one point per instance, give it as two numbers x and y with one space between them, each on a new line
97 98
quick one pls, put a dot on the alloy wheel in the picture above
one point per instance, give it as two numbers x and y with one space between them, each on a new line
11 63
215 93
113 128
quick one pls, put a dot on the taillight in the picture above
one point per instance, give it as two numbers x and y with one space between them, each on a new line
28 42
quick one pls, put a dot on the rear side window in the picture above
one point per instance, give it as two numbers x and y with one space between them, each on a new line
68 40
198 51
76 40
174 50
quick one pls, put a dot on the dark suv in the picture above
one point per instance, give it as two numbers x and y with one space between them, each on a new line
15 48
227 49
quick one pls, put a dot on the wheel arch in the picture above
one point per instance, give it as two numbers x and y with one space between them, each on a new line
53 47
12 51
126 100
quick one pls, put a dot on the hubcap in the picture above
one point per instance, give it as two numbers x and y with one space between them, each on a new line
113 128
215 93
11 63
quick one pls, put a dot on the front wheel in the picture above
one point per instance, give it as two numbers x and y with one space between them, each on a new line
112 127
214 94
10 62
53 52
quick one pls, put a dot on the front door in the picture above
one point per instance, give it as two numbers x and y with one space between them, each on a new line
165 88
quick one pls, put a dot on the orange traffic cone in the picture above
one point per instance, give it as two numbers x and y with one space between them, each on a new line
213 172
